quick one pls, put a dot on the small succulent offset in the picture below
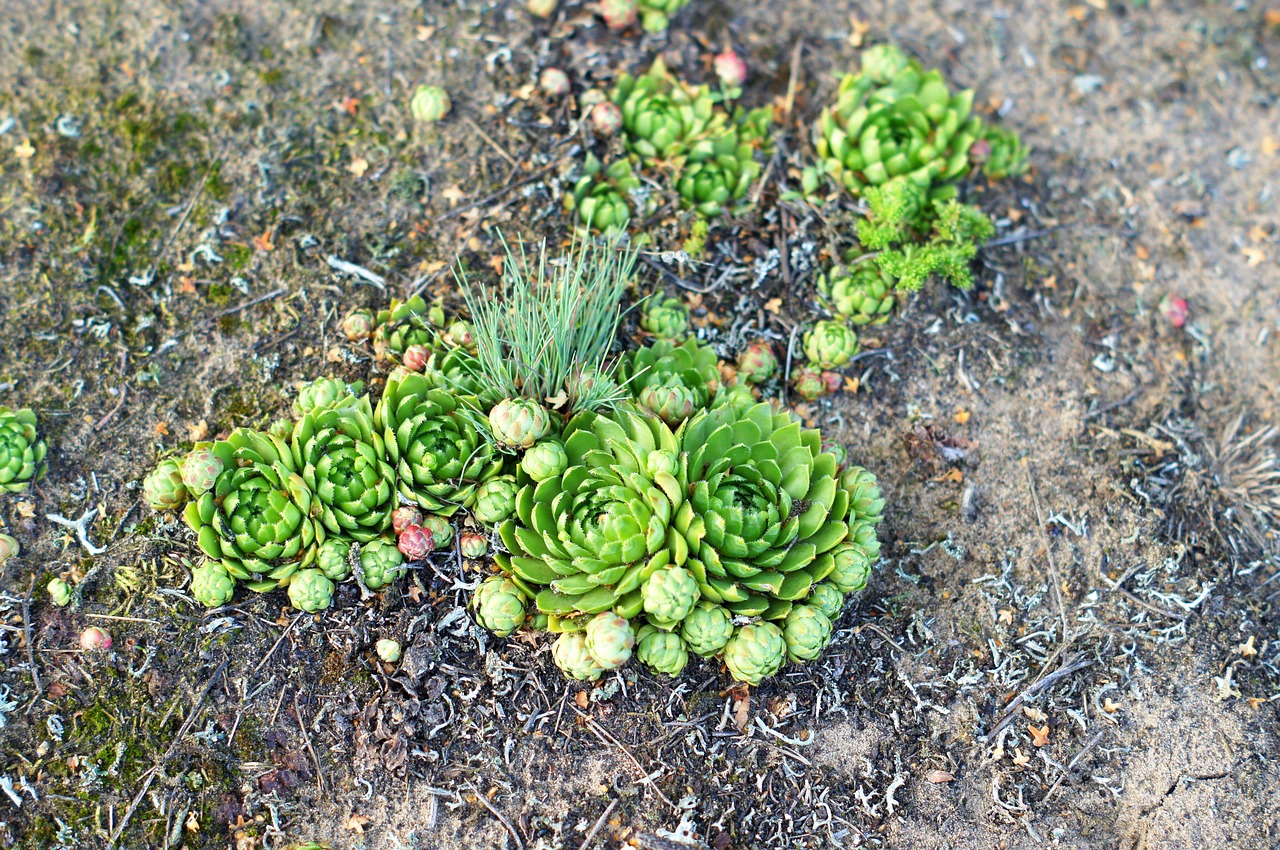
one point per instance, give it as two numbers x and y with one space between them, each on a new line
59 592
671 380
655 15
429 104
163 488
599 197
665 318
22 452
830 345
862 294
311 591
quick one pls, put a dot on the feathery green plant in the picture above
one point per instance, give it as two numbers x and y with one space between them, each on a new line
545 331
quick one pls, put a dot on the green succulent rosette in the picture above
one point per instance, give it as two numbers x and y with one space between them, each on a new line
22 452
672 381
311 591
661 652
718 173
499 605
495 500
441 530
211 584
863 295
827 598
545 459
655 15
665 318
340 456
201 469
260 519
865 503
806 631
661 116
332 559
707 629
764 509
518 423
381 563
755 652
599 199
610 639
406 323
571 656
324 392
439 456
163 488
894 119
1001 153
830 345
669 596
850 568
585 541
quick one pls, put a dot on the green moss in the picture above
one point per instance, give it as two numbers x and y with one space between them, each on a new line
32 55
219 294
237 256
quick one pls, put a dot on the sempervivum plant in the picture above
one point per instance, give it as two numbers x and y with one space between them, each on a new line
662 116
259 519
212 585
325 392
714 532
433 444
863 295
341 457
600 196
380 563
718 173
22 452
163 488
894 119
499 605
672 380
518 423
830 345
665 318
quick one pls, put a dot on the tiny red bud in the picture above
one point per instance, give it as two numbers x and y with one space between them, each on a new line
730 68
415 543
95 638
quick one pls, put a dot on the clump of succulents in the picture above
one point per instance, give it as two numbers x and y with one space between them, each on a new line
22 451
644 508
731 535
682 134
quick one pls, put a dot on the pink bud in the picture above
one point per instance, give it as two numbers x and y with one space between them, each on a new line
95 638
1175 310
405 516
730 68
980 151
415 358
618 14
833 381
606 118
554 82
416 542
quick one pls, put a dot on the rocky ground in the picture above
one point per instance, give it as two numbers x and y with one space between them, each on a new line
1071 640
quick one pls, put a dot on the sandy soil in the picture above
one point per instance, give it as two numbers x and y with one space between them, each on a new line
1072 638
